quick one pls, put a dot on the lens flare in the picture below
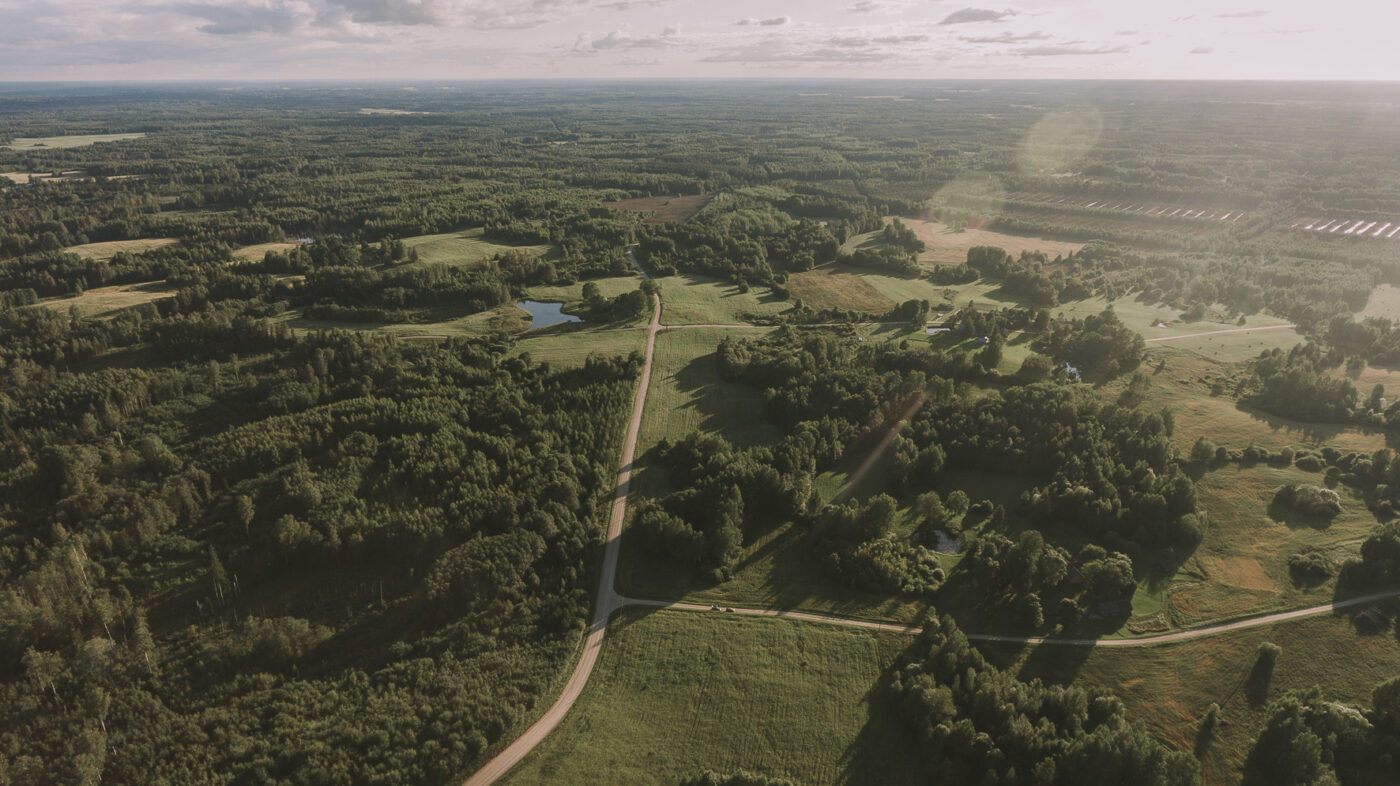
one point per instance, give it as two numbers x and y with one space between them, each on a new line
1059 141
971 199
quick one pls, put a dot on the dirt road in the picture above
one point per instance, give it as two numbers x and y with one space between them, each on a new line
1220 332
1144 641
608 600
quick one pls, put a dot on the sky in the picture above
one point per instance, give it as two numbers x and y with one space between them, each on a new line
85 40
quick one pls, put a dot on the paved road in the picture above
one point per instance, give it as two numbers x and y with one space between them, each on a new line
608 600
1221 332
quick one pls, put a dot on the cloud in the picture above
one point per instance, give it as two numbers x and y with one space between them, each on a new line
770 22
229 19
1243 15
622 41
866 7
393 12
1202 50
1006 38
1125 32
1065 50
967 15
837 49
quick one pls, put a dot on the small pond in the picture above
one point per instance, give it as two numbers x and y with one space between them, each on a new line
546 314
946 543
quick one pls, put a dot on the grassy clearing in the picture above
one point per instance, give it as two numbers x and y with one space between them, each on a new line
256 253
106 301
23 178
572 294
833 287
676 693
1144 318
71 140
1184 383
507 319
103 252
463 249
1241 565
699 300
1169 687
663 210
1384 302
566 345
687 394
948 246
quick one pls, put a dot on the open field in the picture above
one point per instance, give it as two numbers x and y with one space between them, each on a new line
506 319
948 246
23 178
105 301
103 252
1241 566
1169 687
859 289
836 287
564 345
463 249
688 299
573 293
1185 384
71 140
255 253
663 210
687 395
1384 302
676 693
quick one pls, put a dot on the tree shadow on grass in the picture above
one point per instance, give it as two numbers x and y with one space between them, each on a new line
1295 519
885 751
1314 432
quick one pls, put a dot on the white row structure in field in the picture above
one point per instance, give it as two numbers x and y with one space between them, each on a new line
1347 226
1138 208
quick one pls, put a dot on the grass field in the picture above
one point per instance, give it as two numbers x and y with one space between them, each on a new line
1185 384
687 395
663 210
24 178
103 252
676 693
105 301
1168 688
1384 302
507 318
698 300
256 253
71 140
463 249
565 345
947 246
573 293
1241 565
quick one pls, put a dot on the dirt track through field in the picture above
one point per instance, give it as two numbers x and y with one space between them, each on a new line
1219 332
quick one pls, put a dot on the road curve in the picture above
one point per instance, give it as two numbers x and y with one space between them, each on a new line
608 600
1142 641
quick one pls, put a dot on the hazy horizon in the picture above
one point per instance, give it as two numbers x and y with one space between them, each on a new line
431 40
